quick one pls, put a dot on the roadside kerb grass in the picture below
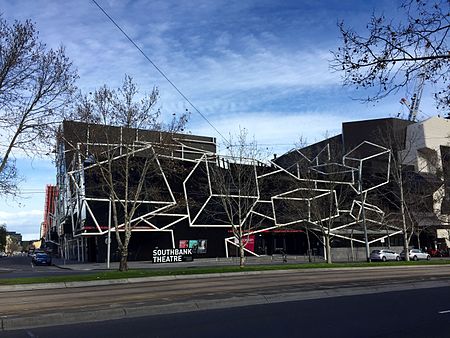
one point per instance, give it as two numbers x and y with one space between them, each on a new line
137 273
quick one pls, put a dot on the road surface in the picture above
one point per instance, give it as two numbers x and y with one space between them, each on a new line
227 286
21 267
423 313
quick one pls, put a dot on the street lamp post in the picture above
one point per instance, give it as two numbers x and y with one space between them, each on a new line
108 258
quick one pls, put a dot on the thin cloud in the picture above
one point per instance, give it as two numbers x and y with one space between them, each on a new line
287 129
24 222
262 65
12 218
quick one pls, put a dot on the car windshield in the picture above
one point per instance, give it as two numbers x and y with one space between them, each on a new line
375 251
41 255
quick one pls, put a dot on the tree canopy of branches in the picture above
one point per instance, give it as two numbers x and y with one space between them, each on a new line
35 84
409 194
323 211
9 178
394 53
127 168
119 107
237 187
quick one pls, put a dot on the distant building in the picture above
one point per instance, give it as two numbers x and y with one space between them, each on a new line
51 195
13 242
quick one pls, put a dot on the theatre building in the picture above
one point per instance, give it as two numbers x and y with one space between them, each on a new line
287 205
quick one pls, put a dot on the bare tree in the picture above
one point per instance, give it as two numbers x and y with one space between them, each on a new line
302 143
120 107
123 165
235 182
35 85
324 210
324 188
393 53
410 197
12 245
320 188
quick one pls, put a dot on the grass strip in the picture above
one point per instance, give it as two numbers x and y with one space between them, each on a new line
107 275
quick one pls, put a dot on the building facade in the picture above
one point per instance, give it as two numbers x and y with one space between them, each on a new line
340 188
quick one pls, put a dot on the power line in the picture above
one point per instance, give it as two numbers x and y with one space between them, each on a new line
30 192
158 69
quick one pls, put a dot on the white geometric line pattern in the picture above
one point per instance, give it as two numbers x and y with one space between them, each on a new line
291 189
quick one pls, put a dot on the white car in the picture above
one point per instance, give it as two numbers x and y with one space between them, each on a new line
384 255
416 254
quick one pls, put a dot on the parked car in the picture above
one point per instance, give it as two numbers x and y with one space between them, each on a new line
438 253
42 259
3 254
416 254
434 253
384 255
35 252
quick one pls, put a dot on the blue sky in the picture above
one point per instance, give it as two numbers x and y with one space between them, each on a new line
261 65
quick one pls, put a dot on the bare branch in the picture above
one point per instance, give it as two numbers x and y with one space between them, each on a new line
392 55
35 85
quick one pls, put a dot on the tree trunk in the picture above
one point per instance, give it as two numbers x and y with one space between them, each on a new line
402 210
309 245
123 266
241 255
328 248
351 246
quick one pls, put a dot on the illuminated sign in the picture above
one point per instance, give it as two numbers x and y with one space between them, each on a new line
198 246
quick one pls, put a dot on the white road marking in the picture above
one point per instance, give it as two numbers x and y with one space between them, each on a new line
445 311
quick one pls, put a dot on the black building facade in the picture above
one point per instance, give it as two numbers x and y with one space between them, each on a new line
319 188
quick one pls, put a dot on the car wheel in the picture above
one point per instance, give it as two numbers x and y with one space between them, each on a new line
428 257
397 258
383 259
415 258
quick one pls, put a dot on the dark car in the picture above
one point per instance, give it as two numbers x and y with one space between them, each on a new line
42 259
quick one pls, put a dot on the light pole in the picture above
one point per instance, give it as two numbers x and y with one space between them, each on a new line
108 253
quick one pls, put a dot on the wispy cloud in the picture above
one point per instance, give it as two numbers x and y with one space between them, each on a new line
288 129
256 64
25 222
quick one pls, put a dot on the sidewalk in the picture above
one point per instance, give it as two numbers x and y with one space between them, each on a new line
199 262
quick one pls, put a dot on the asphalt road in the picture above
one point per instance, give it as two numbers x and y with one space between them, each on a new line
21 267
423 313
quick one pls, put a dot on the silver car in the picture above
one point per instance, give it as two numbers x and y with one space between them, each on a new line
416 254
384 255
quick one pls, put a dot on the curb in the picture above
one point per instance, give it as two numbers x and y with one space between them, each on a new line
97 315
63 285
